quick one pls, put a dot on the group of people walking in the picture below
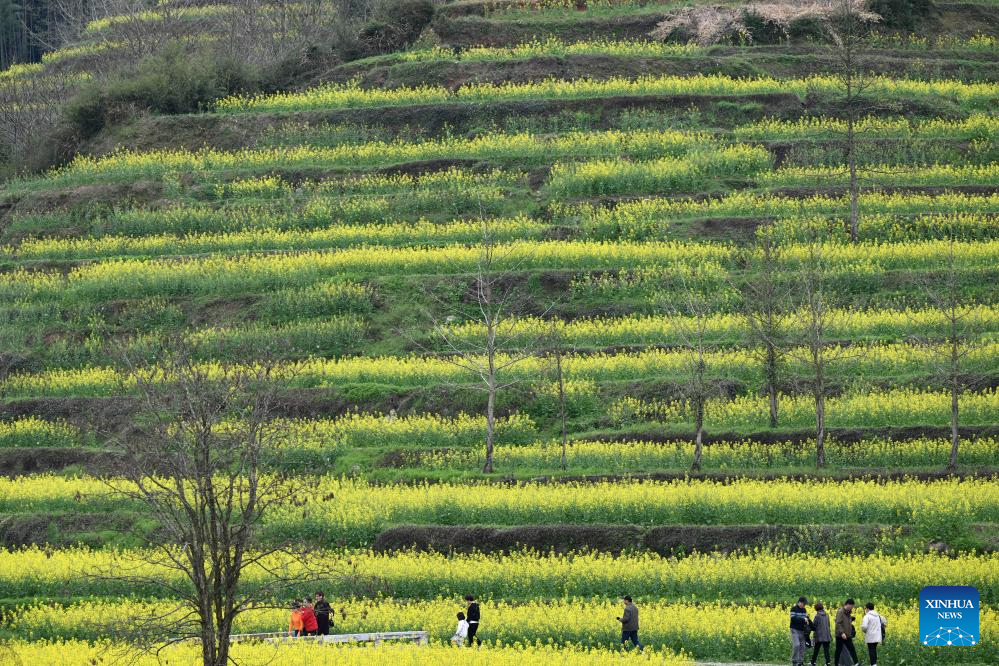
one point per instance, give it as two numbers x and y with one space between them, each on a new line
816 632
468 624
310 618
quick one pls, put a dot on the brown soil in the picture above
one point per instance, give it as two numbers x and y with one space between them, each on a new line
842 435
229 132
18 531
781 63
122 194
20 461
665 540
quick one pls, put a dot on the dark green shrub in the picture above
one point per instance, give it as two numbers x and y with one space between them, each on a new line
394 26
763 30
86 112
176 80
902 14
810 28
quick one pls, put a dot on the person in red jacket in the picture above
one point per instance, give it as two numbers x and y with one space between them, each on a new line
310 626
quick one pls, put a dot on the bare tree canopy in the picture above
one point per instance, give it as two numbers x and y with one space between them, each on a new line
688 307
963 328
195 463
765 302
499 343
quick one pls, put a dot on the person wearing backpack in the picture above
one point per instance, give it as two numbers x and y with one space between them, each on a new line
873 626
845 633
800 626
821 635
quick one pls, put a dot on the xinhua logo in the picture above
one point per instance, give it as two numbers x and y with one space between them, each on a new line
948 616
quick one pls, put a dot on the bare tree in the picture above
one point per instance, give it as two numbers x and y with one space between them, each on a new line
195 463
688 309
814 318
30 108
846 26
963 326
492 341
556 347
765 306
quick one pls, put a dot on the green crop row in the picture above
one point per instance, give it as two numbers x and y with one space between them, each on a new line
862 410
336 96
219 275
420 233
691 173
756 577
977 127
619 457
893 217
734 365
732 328
522 147
76 653
332 511
552 47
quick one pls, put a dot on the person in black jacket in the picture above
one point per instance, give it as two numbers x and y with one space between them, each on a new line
473 620
323 611
801 624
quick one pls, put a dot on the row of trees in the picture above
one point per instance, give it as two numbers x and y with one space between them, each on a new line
773 302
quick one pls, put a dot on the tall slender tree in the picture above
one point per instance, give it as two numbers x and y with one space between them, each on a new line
688 307
846 24
488 340
765 300
815 317
949 354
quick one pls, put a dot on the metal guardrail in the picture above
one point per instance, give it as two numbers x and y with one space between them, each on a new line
419 637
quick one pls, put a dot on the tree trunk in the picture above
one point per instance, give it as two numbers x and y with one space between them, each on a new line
954 438
820 427
222 635
771 374
699 434
490 426
851 140
561 407
207 643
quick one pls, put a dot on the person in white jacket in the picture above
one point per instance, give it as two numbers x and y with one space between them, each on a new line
873 627
461 631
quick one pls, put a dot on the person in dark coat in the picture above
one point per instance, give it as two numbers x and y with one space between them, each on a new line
472 617
323 612
845 633
821 633
800 626
629 624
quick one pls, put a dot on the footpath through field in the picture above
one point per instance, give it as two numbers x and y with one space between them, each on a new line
734 663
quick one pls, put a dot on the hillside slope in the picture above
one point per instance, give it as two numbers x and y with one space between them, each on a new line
635 202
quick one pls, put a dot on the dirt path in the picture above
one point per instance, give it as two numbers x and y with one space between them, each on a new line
733 663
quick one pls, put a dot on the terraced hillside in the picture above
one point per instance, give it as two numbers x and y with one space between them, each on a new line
668 226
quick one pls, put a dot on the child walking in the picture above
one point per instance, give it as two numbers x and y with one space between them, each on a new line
461 631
